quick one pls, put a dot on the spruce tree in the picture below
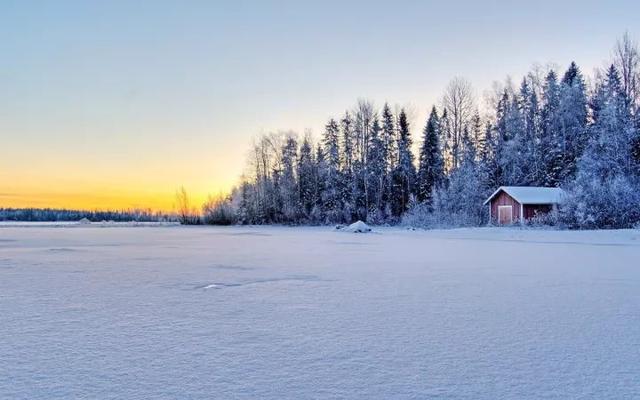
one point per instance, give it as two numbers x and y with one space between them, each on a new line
513 162
551 141
404 173
530 110
431 168
287 185
320 180
375 173
306 179
388 156
332 195
572 116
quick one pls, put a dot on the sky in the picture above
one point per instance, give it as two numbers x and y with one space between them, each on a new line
117 104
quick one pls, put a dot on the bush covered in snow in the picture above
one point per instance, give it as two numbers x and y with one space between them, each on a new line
602 204
219 211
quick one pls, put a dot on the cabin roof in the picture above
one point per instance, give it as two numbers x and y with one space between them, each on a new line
530 194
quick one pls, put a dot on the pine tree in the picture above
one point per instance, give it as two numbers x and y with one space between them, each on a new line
431 168
514 165
551 140
487 164
404 173
333 193
306 179
347 143
375 173
530 110
286 182
245 212
501 136
445 137
572 115
389 155
321 178
331 142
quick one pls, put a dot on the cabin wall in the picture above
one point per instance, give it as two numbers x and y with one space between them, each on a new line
503 199
530 210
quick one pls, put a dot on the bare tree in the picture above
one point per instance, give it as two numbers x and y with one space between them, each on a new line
364 114
627 61
459 102
186 214
265 167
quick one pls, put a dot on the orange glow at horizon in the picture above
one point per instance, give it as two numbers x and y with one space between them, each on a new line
88 190
123 171
163 202
158 201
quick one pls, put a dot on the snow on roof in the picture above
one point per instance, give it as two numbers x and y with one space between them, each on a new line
531 194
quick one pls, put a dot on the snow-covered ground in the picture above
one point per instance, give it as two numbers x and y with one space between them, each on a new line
313 313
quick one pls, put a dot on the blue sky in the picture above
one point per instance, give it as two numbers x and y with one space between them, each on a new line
133 100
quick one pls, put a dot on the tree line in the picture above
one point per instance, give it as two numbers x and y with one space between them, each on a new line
54 214
552 129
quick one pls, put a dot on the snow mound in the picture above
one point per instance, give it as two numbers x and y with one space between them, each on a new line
357 227
84 221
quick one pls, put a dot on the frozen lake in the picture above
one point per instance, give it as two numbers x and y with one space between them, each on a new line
312 313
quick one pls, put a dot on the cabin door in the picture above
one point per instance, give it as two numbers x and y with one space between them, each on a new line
505 214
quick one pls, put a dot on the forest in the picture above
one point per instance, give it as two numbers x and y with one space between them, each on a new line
553 129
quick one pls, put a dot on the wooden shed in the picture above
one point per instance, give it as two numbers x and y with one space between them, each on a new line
509 204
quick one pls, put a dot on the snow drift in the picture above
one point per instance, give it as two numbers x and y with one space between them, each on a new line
357 227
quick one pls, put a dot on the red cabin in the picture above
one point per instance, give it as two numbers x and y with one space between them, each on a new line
511 204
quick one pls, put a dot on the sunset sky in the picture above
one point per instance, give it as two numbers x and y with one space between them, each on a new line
115 105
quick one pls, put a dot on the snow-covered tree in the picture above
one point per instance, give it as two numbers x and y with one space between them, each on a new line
571 139
403 179
532 156
334 182
459 102
287 181
347 200
431 168
376 174
605 192
320 180
514 160
459 202
627 61
548 132
306 178
389 154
